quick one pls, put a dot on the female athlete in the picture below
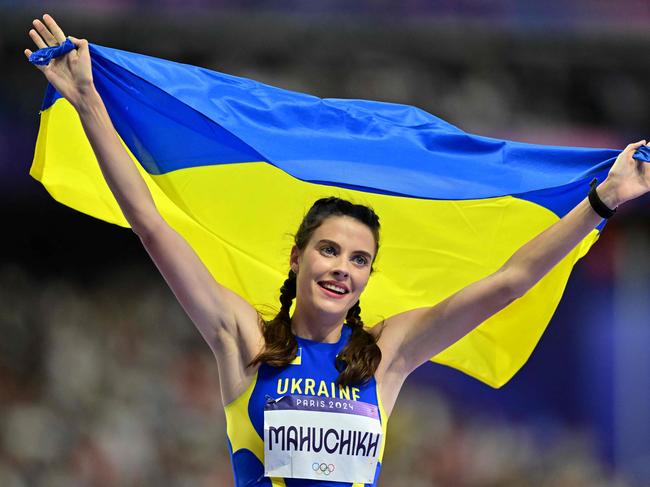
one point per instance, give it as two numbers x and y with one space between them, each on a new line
308 394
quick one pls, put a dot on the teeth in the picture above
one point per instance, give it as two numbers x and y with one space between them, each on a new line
333 288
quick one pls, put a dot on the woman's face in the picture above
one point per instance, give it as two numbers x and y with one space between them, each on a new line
334 267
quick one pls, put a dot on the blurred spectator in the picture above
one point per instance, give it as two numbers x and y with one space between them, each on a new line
104 382
128 395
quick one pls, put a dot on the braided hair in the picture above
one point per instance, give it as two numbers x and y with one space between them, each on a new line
360 357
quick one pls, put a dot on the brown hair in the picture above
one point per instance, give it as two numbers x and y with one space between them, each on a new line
360 357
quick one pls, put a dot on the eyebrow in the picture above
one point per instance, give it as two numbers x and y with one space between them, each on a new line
332 242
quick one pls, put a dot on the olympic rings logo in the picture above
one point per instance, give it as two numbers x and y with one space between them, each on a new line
322 468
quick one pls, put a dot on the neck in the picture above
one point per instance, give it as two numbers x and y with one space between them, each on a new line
316 326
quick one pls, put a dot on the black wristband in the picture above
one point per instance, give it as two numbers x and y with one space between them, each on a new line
597 204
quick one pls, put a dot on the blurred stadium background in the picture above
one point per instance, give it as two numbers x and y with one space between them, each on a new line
103 380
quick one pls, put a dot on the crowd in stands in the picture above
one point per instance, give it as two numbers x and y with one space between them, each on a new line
107 383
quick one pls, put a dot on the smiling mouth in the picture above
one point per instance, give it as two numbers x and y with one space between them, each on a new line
334 289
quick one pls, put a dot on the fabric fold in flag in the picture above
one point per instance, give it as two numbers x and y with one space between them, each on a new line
44 55
233 165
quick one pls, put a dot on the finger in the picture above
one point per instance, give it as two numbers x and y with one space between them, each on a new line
37 39
45 33
633 151
631 148
28 53
80 44
54 28
636 145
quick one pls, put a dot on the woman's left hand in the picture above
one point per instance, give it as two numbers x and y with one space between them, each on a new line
628 178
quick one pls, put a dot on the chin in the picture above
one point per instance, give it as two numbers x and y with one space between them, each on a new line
335 308
331 306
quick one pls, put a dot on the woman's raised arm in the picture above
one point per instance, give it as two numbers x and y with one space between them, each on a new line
226 321
413 337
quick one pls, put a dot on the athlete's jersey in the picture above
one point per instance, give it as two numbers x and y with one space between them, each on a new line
311 375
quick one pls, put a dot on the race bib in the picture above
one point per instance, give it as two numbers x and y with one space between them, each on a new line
317 438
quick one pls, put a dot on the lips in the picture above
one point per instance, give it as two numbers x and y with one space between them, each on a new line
334 288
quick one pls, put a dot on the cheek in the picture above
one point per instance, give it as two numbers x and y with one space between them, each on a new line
304 281
307 278
362 282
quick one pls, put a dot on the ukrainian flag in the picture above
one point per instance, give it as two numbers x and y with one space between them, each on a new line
233 165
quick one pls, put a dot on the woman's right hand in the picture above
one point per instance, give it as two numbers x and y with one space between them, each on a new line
70 74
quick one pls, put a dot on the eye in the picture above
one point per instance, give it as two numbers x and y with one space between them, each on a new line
328 250
360 260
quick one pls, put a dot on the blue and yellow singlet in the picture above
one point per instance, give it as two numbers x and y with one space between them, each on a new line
309 382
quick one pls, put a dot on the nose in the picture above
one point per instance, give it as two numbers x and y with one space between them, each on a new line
341 270
341 273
